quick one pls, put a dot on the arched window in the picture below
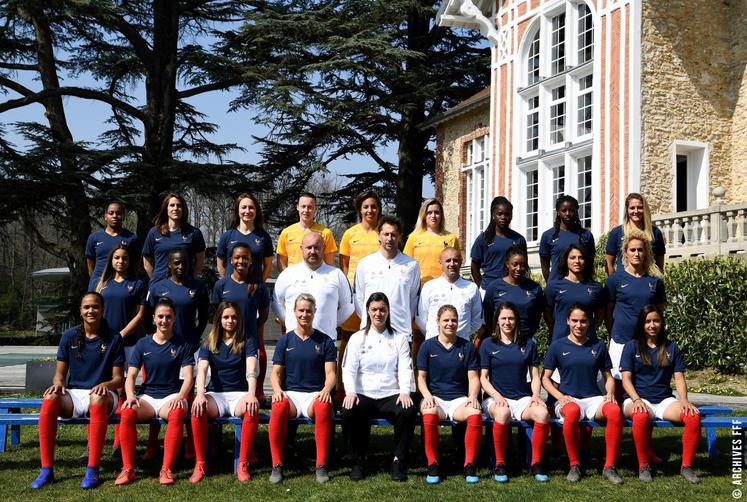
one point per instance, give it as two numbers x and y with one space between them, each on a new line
556 110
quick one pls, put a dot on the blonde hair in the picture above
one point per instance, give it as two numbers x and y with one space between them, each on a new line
628 226
420 225
215 336
649 266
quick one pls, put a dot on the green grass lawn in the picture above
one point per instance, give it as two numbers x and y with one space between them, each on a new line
19 466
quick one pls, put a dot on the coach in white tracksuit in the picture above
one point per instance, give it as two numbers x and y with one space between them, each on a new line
327 284
391 272
450 289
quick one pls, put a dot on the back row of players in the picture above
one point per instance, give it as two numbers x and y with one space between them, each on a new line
416 287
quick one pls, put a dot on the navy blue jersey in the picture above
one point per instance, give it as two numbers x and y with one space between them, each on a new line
100 244
304 360
562 293
162 364
158 246
615 244
227 369
652 382
188 299
258 241
90 364
121 303
528 298
227 289
507 366
578 366
492 257
555 248
447 369
629 294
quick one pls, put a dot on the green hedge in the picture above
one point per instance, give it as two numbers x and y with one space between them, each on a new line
706 312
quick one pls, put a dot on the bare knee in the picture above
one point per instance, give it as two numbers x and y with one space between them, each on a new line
501 414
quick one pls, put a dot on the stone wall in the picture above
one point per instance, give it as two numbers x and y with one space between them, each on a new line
450 158
692 89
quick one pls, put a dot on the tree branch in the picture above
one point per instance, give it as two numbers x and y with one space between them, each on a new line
18 66
77 92
215 86
12 84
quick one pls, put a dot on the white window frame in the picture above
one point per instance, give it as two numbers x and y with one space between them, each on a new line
477 182
698 173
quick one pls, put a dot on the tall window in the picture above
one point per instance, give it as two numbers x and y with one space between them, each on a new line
476 174
556 95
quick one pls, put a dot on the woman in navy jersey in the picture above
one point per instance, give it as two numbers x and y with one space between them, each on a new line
252 299
490 247
567 230
518 289
91 360
637 217
233 380
168 363
100 243
449 381
648 363
303 378
172 230
629 290
505 359
579 359
377 371
575 284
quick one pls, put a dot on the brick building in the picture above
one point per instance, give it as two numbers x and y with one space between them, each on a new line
598 98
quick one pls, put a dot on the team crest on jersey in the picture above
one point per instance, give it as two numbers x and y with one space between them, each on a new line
123 242
258 241
185 237
651 286
318 348
589 291
461 356
529 294
173 353
102 349
594 353
192 293
523 349
130 287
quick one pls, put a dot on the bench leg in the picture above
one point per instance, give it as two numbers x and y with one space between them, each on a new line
236 446
528 431
712 443
3 431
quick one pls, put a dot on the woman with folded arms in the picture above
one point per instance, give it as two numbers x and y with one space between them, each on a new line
90 359
303 378
377 371
232 362
449 381
648 363
578 359
163 355
505 359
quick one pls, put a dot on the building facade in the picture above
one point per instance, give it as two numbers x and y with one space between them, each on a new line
596 99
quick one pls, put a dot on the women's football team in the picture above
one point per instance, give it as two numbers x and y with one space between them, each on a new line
188 381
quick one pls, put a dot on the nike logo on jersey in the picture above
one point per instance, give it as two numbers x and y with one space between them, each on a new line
561 291
146 353
625 285
494 352
502 293
637 356
226 292
233 242
433 355
288 349
566 353
73 346
158 239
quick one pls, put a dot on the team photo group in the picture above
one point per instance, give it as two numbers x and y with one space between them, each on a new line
371 329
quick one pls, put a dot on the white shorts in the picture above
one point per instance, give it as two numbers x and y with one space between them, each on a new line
81 399
616 352
516 406
450 407
555 377
157 403
227 402
658 409
302 401
588 405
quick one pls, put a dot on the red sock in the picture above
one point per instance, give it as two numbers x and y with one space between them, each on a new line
199 435
472 438
322 430
278 429
539 438
128 437
571 414
690 437
173 437
50 410
612 432
641 437
584 437
97 436
262 370
430 437
248 433
500 439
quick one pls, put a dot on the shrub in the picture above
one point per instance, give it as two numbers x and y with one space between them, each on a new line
706 312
